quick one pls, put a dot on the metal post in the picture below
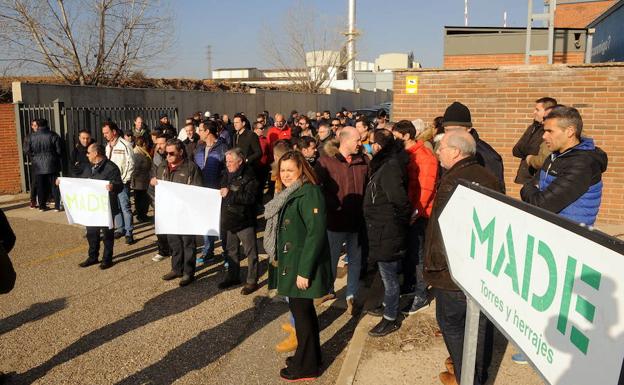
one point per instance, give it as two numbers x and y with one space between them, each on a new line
589 44
527 51
351 42
20 143
551 30
471 334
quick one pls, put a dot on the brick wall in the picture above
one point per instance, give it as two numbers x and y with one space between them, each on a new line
10 180
502 100
479 61
579 15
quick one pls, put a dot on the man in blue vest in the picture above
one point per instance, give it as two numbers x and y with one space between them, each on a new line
570 180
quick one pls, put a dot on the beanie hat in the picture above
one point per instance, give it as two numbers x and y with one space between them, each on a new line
457 115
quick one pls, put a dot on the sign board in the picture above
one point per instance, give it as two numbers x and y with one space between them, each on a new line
608 41
411 84
186 210
86 202
551 286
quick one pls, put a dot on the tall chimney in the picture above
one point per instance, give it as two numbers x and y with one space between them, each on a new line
351 41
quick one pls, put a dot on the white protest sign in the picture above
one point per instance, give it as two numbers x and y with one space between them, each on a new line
557 294
187 210
86 201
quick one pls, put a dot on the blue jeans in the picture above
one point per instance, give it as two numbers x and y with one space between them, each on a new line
389 272
354 251
209 241
123 220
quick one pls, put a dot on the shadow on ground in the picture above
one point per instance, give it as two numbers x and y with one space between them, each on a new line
35 312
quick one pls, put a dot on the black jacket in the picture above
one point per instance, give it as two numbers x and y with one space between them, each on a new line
528 144
7 241
167 129
489 158
249 145
386 206
436 270
107 170
79 160
186 173
238 207
45 149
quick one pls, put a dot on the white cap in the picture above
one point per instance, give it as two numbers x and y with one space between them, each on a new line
207 114
419 125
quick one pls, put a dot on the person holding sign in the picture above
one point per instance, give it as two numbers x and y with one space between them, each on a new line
457 154
179 169
102 169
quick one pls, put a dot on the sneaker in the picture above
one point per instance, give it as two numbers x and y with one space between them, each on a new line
158 258
43 208
408 290
186 279
289 376
171 275
384 327
417 305
376 312
249 288
88 262
130 240
519 358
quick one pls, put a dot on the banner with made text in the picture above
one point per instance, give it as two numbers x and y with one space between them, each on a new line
86 201
556 289
187 210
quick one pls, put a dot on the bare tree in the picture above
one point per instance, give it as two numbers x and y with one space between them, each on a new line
307 47
83 41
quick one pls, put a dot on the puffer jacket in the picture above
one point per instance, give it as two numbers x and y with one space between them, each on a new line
570 183
386 206
422 172
211 164
436 271
45 150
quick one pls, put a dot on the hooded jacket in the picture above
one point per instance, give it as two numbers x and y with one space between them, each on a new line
343 186
386 206
570 183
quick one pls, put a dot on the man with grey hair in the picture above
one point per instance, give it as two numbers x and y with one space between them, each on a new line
238 219
457 155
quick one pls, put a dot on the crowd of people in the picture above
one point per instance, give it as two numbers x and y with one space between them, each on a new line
328 187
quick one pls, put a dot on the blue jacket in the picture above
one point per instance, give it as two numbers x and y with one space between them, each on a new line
570 183
212 165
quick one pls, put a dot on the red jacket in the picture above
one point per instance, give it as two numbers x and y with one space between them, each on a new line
422 174
274 134
266 158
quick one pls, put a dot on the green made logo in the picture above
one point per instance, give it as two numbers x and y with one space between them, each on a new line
515 258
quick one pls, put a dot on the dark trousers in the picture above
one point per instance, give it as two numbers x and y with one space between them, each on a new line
262 175
413 259
451 317
247 239
33 189
141 203
182 253
93 237
46 186
307 359
163 245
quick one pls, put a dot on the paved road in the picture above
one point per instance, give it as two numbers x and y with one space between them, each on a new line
66 325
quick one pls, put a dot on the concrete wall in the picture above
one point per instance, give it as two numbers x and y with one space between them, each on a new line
502 99
10 180
188 102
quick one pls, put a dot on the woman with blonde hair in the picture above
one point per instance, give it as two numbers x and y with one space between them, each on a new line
295 240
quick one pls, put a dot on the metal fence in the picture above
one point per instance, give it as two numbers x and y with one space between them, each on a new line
69 121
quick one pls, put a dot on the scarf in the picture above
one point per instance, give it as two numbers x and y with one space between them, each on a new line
271 214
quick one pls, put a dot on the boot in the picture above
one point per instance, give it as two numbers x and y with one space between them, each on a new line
449 365
448 379
289 344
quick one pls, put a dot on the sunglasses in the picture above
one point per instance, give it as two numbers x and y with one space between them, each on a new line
335 125
172 153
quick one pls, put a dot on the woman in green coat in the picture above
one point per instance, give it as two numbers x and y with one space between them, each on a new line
296 237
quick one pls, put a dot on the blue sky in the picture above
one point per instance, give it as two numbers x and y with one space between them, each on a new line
233 28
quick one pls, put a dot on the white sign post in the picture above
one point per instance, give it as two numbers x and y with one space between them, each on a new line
86 201
186 210
552 287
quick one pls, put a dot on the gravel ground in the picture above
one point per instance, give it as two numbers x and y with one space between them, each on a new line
66 325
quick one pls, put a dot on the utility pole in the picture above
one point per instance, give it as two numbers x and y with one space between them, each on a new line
209 59
351 35
505 19
465 13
